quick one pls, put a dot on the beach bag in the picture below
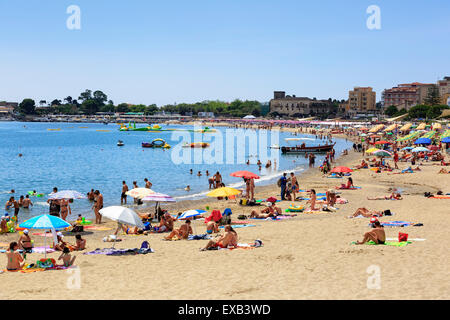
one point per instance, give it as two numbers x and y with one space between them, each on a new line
279 182
402 237
387 213
242 217
225 220
243 202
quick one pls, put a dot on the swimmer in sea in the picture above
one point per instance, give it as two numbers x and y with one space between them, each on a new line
199 174
188 188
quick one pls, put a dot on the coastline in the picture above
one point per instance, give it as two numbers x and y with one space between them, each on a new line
305 257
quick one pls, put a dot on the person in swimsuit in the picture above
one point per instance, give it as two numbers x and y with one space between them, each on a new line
271 211
211 227
66 257
228 239
148 184
65 208
98 205
217 179
123 196
15 259
25 242
366 213
80 243
166 223
182 233
294 185
16 207
377 234
21 201
27 202
91 195
9 203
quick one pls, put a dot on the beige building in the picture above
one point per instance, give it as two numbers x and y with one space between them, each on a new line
361 99
293 106
444 89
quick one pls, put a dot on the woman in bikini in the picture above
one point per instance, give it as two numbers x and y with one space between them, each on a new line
228 239
65 208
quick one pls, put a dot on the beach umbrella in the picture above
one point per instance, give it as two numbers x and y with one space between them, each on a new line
67 194
406 148
341 170
371 150
45 222
158 197
190 213
423 141
223 192
123 215
446 140
245 174
139 193
420 149
383 142
382 153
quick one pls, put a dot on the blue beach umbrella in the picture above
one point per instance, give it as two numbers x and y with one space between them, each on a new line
190 213
446 140
45 222
423 141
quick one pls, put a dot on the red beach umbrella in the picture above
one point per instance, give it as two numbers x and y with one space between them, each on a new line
383 142
341 170
272 199
244 174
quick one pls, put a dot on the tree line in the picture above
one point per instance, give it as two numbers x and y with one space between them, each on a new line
90 102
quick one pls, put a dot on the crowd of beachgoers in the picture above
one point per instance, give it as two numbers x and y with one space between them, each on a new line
377 152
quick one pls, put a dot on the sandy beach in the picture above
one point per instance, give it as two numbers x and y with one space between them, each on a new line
309 256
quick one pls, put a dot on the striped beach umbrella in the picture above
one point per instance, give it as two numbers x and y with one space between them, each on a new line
382 153
158 197
420 149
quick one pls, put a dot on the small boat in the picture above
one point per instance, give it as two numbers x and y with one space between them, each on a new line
275 146
315 149
120 143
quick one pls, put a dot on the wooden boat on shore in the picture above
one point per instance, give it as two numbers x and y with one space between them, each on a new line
315 149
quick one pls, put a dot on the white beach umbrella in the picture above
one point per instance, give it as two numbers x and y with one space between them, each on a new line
67 194
190 214
122 215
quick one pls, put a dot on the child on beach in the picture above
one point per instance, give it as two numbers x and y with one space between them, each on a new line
66 257
80 243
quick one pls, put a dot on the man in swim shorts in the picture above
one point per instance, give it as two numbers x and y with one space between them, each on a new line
123 197
148 184
228 239
25 242
15 259
16 207
27 202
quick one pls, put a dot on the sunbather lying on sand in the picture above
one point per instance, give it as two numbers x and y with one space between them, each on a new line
349 184
271 211
377 234
228 239
443 171
182 233
366 213
393 196
363 165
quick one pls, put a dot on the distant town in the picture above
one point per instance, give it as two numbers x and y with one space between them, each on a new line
414 100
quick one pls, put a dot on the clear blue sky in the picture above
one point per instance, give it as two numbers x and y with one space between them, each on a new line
145 51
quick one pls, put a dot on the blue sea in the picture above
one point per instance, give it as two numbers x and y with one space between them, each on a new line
85 156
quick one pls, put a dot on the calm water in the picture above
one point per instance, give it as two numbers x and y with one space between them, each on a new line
83 158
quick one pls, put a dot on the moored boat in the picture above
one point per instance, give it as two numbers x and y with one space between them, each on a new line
304 149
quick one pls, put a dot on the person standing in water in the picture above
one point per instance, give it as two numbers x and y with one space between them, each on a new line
27 202
148 184
98 205
65 208
123 197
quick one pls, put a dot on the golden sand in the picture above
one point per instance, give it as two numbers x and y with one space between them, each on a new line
306 257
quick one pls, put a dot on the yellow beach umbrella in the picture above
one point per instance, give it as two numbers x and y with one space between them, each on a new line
223 192
139 193
372 150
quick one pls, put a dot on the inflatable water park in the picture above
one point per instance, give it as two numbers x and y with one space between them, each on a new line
158 128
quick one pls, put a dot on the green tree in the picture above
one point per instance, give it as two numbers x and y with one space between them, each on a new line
123 107
27 106
419 111
432 98
391 110
90 106
86 95
100 98
435 111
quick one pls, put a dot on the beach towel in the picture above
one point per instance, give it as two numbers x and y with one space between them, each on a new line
199 236
31 270
439 197
120 252
387 243
396 224
240 226
97 228
240 222
352 188
241 246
